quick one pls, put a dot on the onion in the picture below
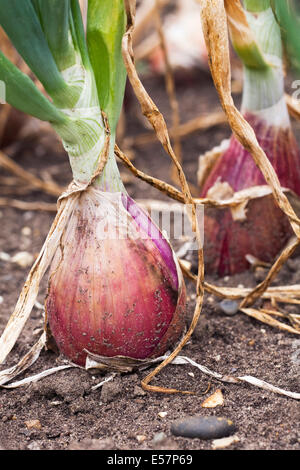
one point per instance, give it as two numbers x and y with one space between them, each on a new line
264 230
115 288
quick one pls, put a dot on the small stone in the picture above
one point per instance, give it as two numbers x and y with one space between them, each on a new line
23 259
33 424
53 433
217 357
4 256
138 391
56 403
224 442
26 231
216 399
229 307
141 438
1 299
191 374
33 446
203 427
159 437
162 414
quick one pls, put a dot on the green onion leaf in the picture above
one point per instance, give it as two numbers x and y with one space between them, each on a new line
105 28
257 5
78 30
54 19
20 22
287 14
22 93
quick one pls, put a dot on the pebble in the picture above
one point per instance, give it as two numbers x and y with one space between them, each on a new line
4 256
224 442
162 414
138 391
23 259
26 231
33 424
203 427
141 437
159 437
1 299
216 399
33 446
229 307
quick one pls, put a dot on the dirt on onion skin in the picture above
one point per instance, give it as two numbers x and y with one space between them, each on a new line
71 414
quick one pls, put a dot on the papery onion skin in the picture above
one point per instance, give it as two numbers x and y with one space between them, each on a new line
266 230
112 297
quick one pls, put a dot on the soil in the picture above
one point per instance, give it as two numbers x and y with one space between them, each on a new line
73 416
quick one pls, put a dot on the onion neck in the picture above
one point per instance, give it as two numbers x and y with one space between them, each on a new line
263 89
256 5
83 134
110 179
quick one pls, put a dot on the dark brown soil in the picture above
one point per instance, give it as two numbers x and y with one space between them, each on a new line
71 415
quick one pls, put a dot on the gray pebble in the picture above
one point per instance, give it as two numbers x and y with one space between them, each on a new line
159 437
230 307
203 427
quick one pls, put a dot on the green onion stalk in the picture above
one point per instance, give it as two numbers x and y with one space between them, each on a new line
115 287
287 14
261 230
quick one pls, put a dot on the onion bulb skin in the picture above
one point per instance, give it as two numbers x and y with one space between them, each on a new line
265 230
115 288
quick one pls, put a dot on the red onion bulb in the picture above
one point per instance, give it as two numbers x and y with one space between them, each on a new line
115 288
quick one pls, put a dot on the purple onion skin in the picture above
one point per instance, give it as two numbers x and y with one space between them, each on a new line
267 229
113 296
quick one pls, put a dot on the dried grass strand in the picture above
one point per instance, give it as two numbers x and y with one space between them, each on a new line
48 187
170 87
